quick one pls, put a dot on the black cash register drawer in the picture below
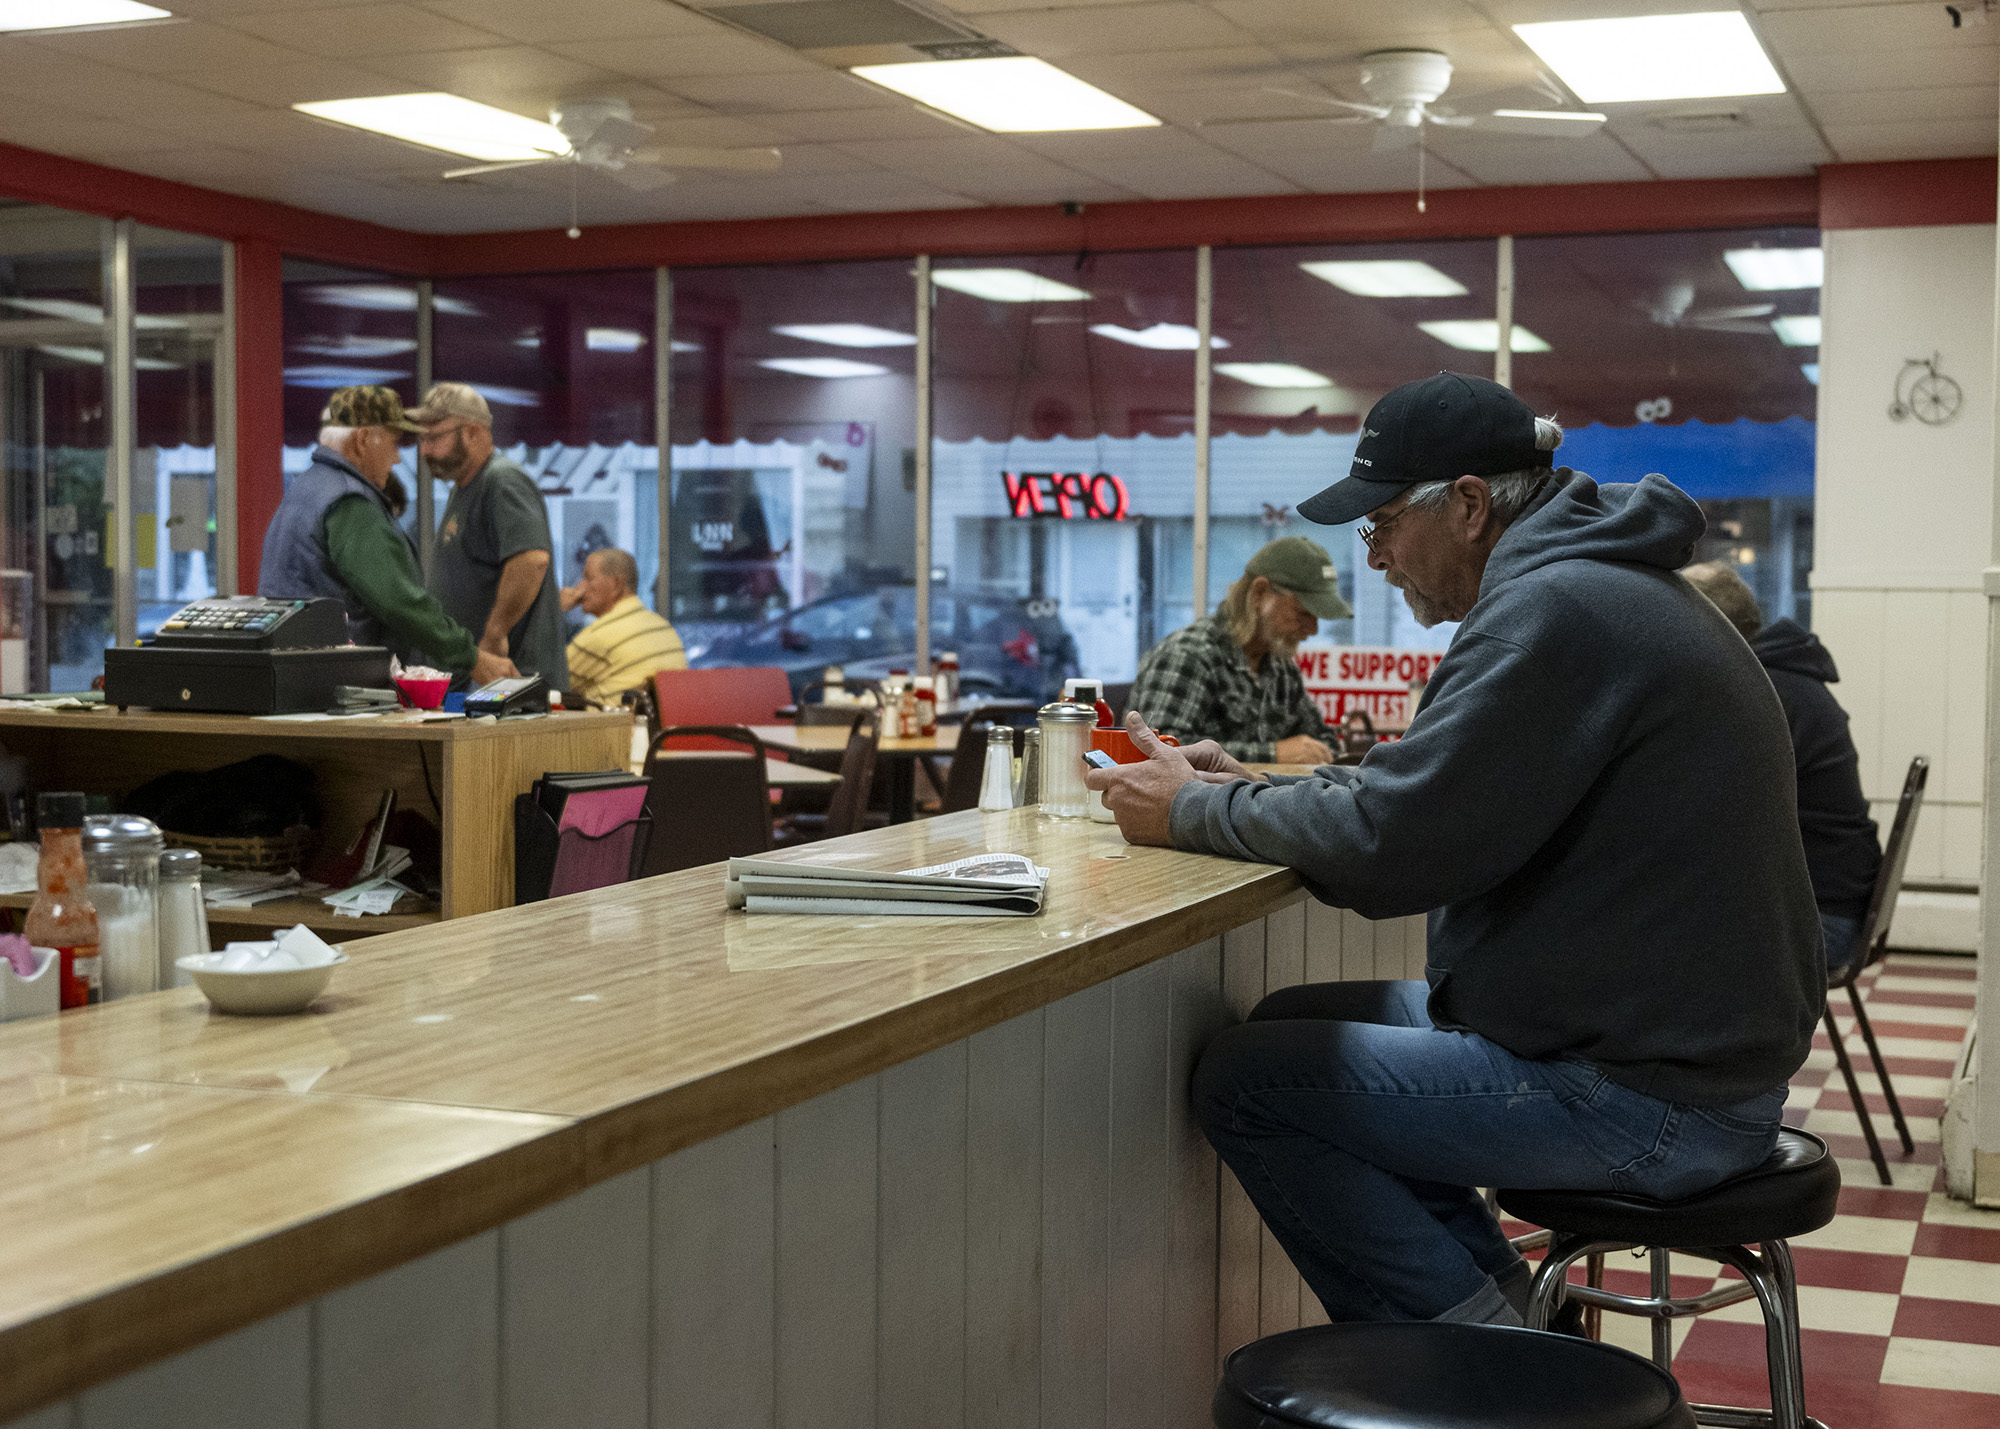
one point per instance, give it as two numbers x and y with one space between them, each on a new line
251 682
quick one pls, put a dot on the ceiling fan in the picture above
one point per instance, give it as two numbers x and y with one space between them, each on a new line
603 136
1674 307
1403 87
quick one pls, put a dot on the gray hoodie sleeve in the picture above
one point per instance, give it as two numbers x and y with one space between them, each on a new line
1496 760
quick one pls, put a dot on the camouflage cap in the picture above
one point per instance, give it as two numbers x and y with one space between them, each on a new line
368 407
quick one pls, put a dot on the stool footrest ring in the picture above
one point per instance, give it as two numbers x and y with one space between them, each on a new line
1670 1308
1725 1417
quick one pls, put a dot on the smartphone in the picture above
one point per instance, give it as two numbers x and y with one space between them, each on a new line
1098 759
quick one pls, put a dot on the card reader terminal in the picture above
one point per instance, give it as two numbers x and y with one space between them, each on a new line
518 694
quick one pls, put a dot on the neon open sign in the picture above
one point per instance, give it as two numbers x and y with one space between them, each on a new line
1099 497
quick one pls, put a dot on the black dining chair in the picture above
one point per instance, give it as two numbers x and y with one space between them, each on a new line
1870 947
847 811
706 805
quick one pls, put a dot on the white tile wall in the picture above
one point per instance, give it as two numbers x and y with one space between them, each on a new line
1020 1228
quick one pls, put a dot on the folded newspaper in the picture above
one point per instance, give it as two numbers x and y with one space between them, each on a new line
986 885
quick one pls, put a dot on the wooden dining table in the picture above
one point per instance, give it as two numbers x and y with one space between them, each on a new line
900 756
778 773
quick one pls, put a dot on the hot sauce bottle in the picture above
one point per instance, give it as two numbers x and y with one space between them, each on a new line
61 917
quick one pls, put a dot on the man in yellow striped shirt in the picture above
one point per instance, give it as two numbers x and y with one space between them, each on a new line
622 648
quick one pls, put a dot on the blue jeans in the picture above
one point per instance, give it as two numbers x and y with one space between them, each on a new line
1359 1131
1840 934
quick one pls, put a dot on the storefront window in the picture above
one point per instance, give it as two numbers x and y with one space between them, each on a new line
794 473
1063 471
343 328
1695 355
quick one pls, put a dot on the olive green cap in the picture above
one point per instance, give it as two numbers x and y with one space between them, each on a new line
368 407
1303 569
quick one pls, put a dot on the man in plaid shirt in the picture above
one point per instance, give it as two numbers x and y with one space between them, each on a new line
1231 678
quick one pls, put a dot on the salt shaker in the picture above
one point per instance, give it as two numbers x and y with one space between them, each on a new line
1065 727
121 856
996 783
183 915
1028 788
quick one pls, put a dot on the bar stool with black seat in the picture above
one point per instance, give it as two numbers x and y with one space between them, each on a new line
1423 1374
1795 1191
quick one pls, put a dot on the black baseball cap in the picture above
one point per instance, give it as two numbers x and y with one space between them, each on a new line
1439 429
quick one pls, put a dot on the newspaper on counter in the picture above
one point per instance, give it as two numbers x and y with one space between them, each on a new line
985 885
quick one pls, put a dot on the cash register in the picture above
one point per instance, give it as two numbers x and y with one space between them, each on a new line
244 654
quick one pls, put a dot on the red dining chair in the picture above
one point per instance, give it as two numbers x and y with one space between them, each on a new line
749 695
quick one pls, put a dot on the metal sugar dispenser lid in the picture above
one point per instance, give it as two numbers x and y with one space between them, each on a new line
1067 712
121 834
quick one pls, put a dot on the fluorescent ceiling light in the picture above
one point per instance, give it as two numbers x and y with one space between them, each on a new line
75 14
73 311
1015 94
823 367
382 298
1766 270
1799 331
1387 278
1161 337
1006 285
1481 335
95 357
612 339
447 122
355 345
1642 57
847 334
1273 374
1811 370
329 376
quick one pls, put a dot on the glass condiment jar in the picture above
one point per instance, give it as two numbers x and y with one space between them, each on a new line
1028 778
996 781
1065 727
944 670
121 853
183 915
926 701
61 916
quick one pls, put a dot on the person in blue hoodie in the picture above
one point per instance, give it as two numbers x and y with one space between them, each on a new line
1843 849
1594 804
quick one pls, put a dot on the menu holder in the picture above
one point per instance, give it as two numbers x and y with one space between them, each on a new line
574 832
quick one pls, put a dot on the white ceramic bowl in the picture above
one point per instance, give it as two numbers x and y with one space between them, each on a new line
258 994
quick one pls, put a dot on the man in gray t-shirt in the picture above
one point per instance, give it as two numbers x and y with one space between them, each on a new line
493 568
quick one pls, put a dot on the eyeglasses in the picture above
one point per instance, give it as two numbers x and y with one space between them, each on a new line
438 434
1371 534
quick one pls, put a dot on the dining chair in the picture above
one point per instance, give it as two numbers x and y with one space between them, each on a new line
709 801
738 695
847 812
1870 947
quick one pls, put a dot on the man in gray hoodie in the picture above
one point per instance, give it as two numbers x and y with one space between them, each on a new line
1594 804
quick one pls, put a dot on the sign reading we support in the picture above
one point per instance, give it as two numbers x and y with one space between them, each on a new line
1375 678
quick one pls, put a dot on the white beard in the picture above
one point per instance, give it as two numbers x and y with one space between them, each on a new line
1427 611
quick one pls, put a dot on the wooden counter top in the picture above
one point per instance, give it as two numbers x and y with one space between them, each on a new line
456 1076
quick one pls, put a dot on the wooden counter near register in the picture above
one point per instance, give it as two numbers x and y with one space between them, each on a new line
462 774
671 1164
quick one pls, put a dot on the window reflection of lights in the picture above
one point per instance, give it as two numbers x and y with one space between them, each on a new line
75 14
679 346
1008 94
328 376
448 122
507 396
531 340
1799 330
847 334
1767 270
1273 374
1640 57
1387 278
1481 335
382 298
95 357
1161 337
69 310
1006 285
354 344
1811 370
613 339
823 367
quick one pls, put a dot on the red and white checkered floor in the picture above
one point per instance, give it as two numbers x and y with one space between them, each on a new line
1900 1295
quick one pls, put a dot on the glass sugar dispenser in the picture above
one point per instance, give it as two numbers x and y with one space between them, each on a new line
183 914
1065 727
121 856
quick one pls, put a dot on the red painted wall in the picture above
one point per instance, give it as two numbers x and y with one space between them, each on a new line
260 399
1922 193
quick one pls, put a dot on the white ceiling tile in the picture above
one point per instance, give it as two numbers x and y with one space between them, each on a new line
358 31
1939 139
515 77
834 126
163 49
719 53
1895 69
564 21
1057 34
750 94
716 129
36 125
281 86
1864 29
1890 106
1493 159
1743 153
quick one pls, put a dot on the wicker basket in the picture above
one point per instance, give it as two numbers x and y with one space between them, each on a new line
290 849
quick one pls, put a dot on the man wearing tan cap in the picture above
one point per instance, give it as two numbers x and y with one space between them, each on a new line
493 566
335 535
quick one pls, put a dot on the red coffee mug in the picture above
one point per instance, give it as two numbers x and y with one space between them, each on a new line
1118 744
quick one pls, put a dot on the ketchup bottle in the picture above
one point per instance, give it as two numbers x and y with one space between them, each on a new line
61 917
